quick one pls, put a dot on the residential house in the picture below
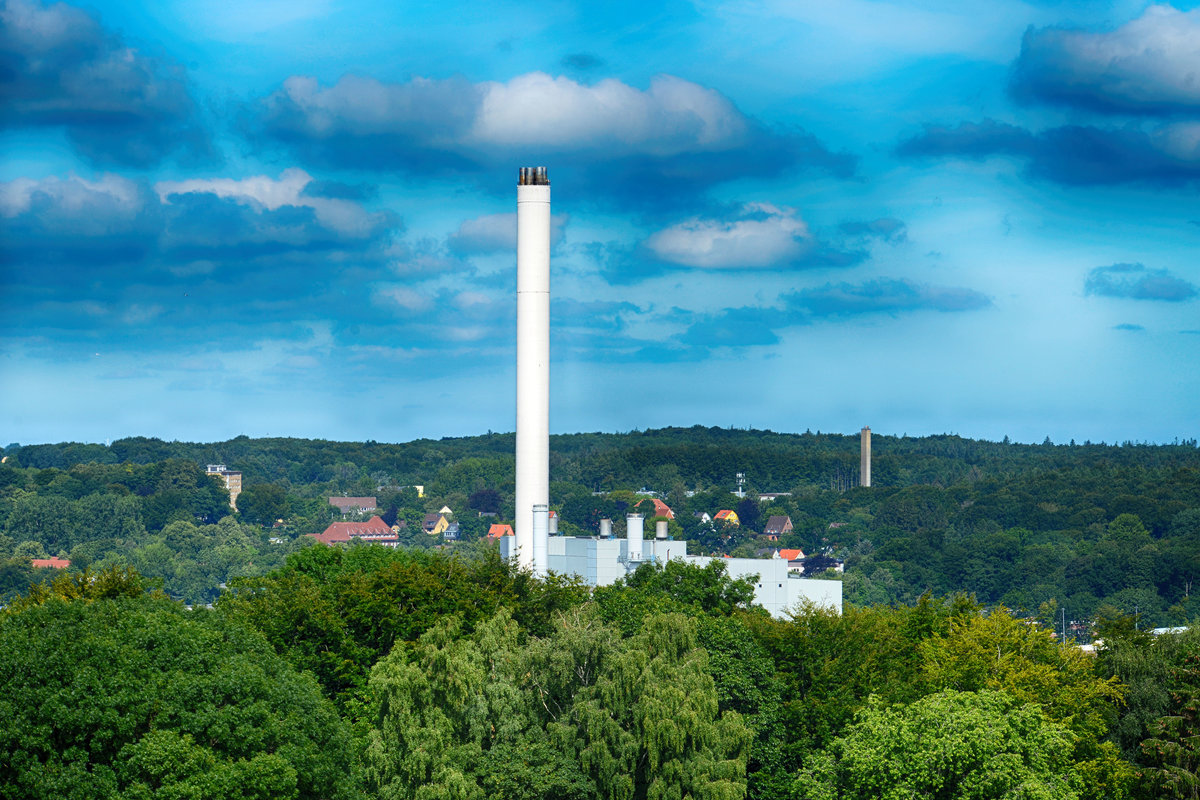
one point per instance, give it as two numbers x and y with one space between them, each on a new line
702 516
795 559
767 497
499 530
373 531
353 505
728 517
434 524
778 525
49 563
661 509
451 533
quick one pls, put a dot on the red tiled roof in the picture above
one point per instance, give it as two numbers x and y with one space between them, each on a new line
374 528
499 529
723 514
52 563
661 509
791 555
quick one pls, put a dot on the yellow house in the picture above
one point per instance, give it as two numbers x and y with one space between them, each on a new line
727 516
435 524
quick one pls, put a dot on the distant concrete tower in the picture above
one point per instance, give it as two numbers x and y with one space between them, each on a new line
864 469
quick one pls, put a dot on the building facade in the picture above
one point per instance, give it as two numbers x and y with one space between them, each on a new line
601 561
232 480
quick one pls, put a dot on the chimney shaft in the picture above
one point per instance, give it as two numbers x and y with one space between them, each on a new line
864 468
541 539
533 362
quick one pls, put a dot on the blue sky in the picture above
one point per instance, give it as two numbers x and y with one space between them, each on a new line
296 217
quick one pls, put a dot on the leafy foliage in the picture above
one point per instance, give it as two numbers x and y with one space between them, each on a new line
336 611
953 745
581 713
111 695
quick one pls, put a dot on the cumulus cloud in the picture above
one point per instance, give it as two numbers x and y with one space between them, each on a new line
756 236
757 326
109 197
493 233
1073 154
672 116
197 252
262 192
1136 282
762 236
1150 65
883 296
432 112
1147 69
536 109
110 218
653 146
62 69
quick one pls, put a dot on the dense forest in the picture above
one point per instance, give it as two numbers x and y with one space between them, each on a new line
194 651
371 672
1056 530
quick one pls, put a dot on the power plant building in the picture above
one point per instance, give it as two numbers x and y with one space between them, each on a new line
600 560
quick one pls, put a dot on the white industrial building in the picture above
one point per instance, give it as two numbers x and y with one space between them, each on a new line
601 560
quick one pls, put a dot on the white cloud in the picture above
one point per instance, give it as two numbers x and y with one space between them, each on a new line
110 195
263 192
424 109
764 235
670 117
1152 61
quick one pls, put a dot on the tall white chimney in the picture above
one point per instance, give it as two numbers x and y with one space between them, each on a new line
533 361
864 467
